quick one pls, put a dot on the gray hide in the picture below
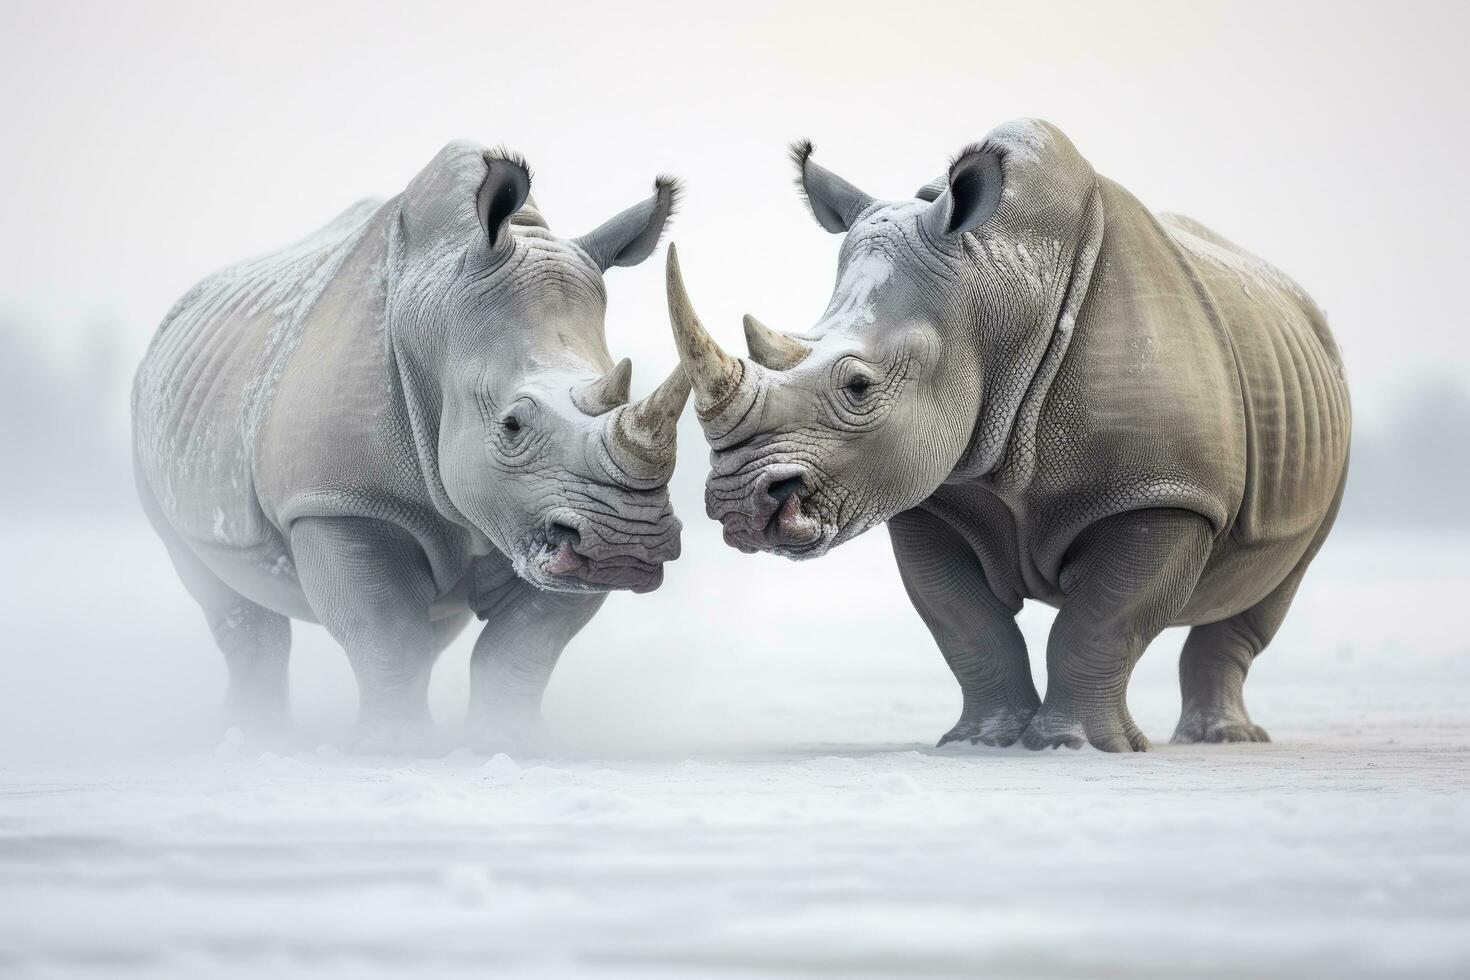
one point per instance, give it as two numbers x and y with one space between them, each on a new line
1050 393
407 418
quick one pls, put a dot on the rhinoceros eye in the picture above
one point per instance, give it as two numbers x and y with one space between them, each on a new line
858 391
515 421
859 383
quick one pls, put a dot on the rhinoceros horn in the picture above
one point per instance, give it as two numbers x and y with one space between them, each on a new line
714 375
607 392
642 435
772 350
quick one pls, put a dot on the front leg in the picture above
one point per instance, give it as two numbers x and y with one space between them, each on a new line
1124 579
525 631
370 585
976 632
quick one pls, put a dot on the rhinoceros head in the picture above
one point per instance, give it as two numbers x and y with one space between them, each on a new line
942 309
538 446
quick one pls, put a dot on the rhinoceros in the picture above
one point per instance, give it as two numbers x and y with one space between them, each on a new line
1048 392
405 419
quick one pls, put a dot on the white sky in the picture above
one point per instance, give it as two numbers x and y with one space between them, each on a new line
146 144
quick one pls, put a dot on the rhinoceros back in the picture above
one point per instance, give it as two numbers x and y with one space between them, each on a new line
204 388
1199 378
1293 389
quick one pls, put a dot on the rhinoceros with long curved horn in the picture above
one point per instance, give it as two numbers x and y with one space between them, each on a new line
1049 393
407 419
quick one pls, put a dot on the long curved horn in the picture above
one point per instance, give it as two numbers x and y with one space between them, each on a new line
772 350
643 433
713 374
607 392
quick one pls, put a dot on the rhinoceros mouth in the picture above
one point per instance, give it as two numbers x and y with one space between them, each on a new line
563 569
783 516
569 556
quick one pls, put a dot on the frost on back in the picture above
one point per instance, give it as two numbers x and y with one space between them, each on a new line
200 394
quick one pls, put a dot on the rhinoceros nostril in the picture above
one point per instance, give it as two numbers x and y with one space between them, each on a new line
782 489
557 532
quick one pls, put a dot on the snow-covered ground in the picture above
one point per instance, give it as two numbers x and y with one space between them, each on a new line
760 803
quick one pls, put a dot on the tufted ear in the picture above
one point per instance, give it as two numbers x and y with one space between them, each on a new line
505 188
834 202
932 190
631 237
970 194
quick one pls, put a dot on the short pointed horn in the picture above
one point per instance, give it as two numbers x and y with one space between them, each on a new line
607 392
772 350
713 374
643 433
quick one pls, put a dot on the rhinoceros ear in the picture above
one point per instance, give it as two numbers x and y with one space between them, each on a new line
505 188
932 190
631 237
970 194
834 202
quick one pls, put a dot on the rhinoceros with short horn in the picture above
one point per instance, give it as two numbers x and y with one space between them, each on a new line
1048 392
407 418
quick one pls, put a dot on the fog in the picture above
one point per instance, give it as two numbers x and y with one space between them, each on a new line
736 764
149 144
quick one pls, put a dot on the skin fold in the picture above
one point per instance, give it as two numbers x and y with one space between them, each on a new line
407 419
1048 392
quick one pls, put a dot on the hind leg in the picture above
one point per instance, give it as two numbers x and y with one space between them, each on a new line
1215 660
1217 657
1212 671
256 643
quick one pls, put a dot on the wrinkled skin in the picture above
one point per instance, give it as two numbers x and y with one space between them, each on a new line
408 418
1048 393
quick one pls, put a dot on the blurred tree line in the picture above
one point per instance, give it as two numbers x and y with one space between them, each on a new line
1411 466
64 424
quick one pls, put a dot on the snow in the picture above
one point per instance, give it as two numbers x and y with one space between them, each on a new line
1023 139
862 273
707 804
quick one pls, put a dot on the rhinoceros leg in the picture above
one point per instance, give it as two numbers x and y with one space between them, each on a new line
370 585
1217 657
1212 669
256 642
1124 579
524 634
976 632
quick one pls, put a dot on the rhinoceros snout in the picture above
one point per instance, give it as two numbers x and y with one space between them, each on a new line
599 552
771 512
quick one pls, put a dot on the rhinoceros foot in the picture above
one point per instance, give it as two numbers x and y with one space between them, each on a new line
1105 727
1200 727
1000 727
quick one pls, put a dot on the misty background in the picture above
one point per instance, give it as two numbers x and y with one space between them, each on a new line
149 144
